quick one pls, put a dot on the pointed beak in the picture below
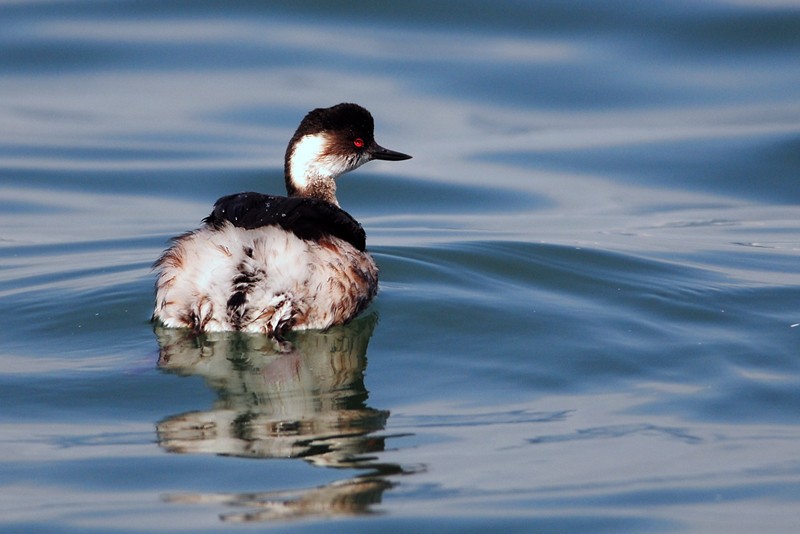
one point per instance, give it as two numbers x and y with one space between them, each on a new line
378 152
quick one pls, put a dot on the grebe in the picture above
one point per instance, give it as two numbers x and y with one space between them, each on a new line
268 264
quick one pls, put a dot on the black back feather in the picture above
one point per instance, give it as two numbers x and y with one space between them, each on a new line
307 218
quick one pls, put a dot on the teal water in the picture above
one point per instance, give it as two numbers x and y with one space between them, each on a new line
590 295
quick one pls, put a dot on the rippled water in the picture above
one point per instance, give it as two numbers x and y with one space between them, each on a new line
589 307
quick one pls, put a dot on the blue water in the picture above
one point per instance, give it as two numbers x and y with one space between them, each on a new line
590 295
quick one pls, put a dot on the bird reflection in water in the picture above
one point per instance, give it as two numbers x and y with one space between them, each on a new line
303 398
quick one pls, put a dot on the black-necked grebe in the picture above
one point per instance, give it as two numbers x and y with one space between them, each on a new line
269 264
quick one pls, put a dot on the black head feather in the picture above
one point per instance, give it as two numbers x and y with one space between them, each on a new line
339 118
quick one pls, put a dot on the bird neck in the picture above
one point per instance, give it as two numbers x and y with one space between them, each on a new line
315 186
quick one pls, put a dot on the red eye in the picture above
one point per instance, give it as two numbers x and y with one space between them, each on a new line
359 142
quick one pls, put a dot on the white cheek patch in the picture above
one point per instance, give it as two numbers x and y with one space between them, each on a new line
305 156
311 160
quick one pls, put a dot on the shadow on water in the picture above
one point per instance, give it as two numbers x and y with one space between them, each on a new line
304 398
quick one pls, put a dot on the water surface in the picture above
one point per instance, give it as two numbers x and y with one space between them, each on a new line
588 318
